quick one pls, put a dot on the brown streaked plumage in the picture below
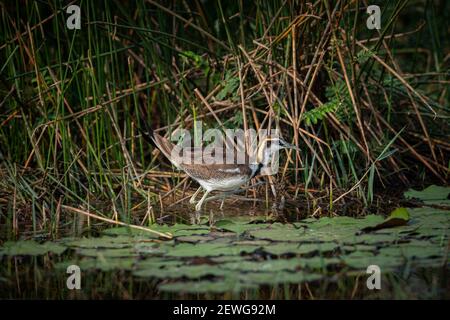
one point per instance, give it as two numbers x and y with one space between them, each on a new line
213 176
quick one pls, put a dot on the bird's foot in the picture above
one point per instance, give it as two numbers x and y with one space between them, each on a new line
195 218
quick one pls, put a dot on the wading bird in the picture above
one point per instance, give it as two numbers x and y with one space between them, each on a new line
212 176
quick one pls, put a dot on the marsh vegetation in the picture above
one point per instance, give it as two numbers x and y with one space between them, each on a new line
369 108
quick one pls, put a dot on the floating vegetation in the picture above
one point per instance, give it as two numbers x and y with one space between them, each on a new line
235 255
366 107
432 195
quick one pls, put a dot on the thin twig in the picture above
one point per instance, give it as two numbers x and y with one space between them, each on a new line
132 226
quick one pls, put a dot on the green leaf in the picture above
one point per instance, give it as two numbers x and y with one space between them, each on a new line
30 248
398 217
176 230
300 248
361 260
431 195
229 87
182 271
207 249
219 286
271 278
99 263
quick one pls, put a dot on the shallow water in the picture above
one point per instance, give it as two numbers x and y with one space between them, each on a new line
227 254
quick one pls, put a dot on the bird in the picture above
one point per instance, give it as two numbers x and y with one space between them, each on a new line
212 176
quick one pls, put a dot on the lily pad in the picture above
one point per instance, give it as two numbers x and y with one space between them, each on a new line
431 195
266 265
258 243
204 286
207 249
194 238
413 250
241 225
377 238
110 253
175 230
158 263
100 263
362 260
224 259
182 271
319 262
398 217
300 248
99 242
244 253
276 232
30 248
271 278
150 249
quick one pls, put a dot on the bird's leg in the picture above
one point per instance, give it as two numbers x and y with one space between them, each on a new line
192 199
223 200
222 196
198 206
195 218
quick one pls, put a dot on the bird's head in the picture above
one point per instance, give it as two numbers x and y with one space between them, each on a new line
269 145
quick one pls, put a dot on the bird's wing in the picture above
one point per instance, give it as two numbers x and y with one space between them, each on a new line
216 171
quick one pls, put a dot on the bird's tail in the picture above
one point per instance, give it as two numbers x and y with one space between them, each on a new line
162 144
147 134
145 130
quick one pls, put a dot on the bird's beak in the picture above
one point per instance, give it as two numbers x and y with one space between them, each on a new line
291 146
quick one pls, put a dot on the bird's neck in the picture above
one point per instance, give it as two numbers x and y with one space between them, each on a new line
264 155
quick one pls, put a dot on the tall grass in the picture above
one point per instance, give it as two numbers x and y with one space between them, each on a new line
369 108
